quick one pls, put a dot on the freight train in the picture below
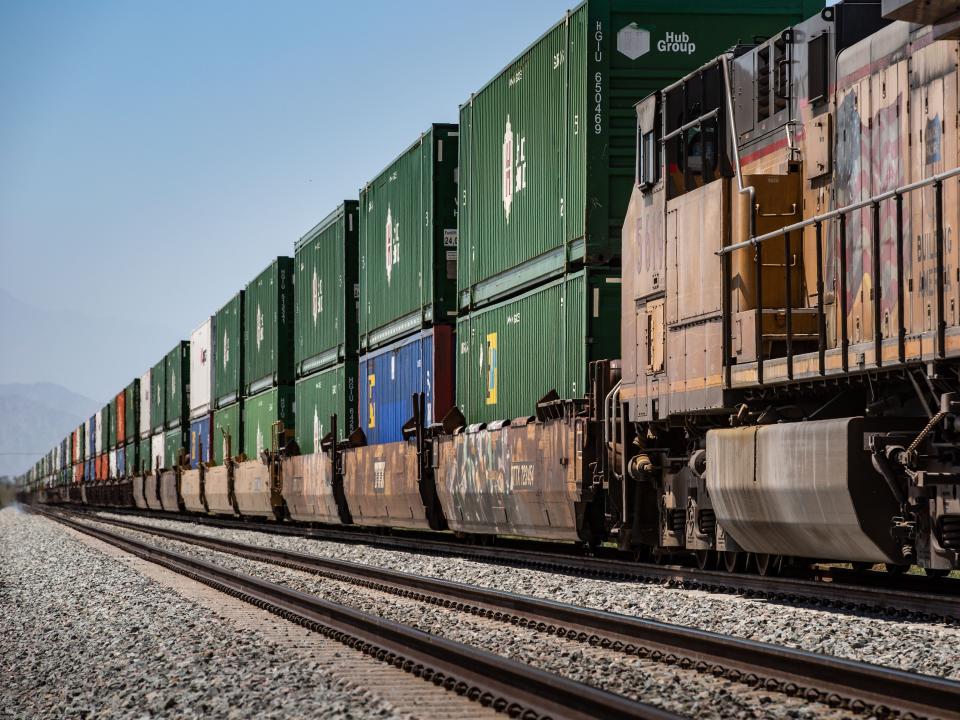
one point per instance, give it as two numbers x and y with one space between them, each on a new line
706 305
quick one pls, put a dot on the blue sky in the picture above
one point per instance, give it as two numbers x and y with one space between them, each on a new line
155 155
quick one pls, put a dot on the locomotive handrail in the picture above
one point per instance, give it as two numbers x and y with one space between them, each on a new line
839 212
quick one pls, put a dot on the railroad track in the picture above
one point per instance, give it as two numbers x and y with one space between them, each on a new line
514 688
927 599
857 687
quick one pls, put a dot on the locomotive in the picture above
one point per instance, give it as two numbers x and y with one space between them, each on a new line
788 379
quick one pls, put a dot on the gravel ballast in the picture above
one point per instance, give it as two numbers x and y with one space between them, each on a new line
927 648
82 635
685 692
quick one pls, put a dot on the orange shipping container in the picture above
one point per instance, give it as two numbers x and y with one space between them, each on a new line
121 417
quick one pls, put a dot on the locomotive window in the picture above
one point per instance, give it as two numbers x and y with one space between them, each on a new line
817 68
649 164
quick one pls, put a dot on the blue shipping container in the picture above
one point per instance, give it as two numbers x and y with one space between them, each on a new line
92 448
390 376
88 473
121 461
200 440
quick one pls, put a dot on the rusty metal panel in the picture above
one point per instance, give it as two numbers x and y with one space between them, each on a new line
151 490
253 489
381 484
308 488
514 480
218 489
139 498
169 490
191 490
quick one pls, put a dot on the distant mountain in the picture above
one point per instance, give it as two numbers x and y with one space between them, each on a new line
34 417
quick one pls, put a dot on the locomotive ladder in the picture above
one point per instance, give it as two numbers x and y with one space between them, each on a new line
839 217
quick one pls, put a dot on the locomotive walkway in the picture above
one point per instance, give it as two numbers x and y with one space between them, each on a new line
857 687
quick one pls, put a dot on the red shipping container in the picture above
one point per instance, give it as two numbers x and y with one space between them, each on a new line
121 417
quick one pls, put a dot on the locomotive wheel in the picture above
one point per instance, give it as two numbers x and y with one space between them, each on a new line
734 562
896 569
935 573
862 566
768 565
706 559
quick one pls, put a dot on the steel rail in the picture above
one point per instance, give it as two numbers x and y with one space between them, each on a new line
843 596
860 687
504 684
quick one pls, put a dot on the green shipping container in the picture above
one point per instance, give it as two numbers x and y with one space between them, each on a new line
268 328
540 341
227 432
112 425
327 291
547 147
173 442
228 351
158 396
408 240
177 368
144 461
260 412
131 413
319 396
131 459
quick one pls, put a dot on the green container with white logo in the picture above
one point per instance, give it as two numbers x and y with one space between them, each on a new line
131 413
158 396
319 396
260 413
131 458
174 442
327 291
268 328
228 352
177 370
547 147
227 440
511 354
408 241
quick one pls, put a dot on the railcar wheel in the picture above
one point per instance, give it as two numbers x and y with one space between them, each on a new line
734 562
860 566
896 569
706 559
768 565
936 573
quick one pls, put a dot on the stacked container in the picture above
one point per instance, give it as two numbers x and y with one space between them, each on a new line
158 398
227 438
202 364
177 404
131 428
144 458
408 270
325 338
268 357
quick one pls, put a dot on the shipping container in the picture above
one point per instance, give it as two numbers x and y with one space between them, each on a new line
389 377
120 422
319 396
228 349
327 291
202 364
132 411
547 147
174 442
157 451
83 438
227 432
146 403
112 464
268 328
158 396
111 409
260 413
408 241
120 471
145 454
177 368
201 432
132 458
98 433
513 353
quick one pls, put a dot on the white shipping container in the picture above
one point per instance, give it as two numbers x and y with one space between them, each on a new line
201 369
113 464
145 404
98 433
87 444
156 451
